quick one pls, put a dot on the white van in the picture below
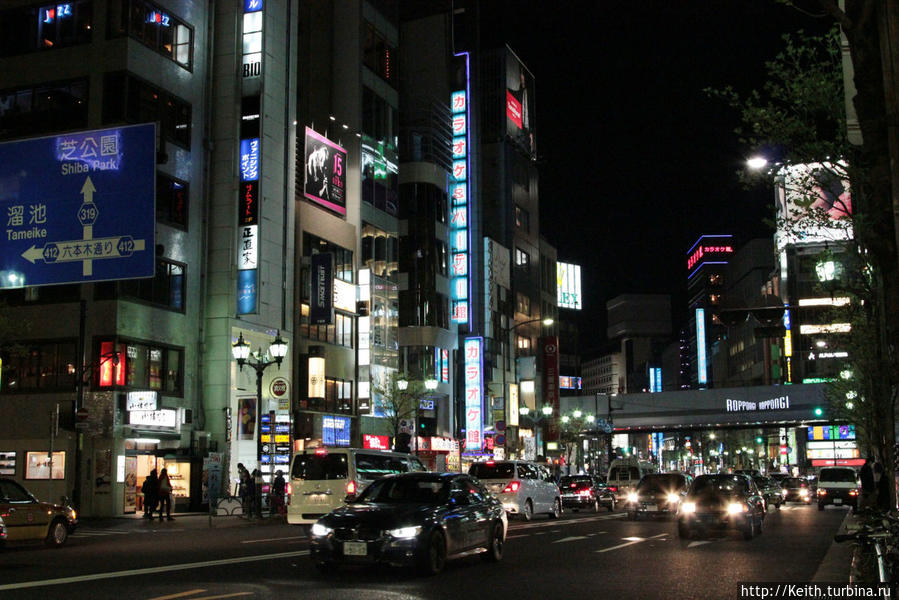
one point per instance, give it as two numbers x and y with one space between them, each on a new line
321 478
624 475
525 488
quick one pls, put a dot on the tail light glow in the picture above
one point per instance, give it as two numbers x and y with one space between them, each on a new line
350 487
512 487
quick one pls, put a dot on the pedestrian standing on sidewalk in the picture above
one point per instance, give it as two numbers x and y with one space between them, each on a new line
150 489
869 487
278 488
243 488
165 495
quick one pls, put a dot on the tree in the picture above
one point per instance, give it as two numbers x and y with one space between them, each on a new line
801 113
397 399
571 432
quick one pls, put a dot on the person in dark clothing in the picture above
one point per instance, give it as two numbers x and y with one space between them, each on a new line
278 488
150 489
869 487
165 495
883 487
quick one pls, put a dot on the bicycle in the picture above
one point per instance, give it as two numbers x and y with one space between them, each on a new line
877 549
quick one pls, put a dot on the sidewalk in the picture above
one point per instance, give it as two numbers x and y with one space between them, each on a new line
200 520
836 564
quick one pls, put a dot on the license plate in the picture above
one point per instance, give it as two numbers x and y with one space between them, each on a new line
651 507
837 500
318 499
355 548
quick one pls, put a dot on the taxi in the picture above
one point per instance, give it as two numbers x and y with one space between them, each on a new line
26 518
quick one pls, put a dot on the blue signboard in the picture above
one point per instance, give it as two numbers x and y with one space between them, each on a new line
335 430
78 207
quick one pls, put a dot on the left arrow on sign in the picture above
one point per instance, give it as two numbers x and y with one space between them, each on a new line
33 254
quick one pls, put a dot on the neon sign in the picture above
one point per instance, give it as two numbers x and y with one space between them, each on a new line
159 18
474 382
249 159
459 194
701 366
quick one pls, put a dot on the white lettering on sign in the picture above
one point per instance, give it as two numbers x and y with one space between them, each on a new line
779 403
141 401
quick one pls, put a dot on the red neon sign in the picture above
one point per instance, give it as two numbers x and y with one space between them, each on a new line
112 371
703 250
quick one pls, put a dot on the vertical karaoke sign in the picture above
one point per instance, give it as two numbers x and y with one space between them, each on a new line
459 213
474 392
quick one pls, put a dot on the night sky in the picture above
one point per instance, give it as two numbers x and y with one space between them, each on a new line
636 161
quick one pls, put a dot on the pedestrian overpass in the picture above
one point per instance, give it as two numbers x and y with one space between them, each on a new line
758 406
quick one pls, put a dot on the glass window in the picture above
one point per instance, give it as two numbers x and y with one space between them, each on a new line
320 467
129 99
42 109
488 470
152 26
40 366
171 200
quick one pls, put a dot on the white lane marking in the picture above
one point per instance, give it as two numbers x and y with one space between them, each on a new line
571 539
179 595
694 544
150 570
512 537
632 542
295 537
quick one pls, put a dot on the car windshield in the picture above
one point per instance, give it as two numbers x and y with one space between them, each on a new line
577 482
720 483
662 482
624 473
492 470
843 475
762 482
405 490
318 467
794 482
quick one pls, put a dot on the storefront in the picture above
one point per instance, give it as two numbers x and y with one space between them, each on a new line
436 453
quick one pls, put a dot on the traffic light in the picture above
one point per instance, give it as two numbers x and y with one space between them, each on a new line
818 411
758 439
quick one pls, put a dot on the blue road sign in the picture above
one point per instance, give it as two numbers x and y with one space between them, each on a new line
78 207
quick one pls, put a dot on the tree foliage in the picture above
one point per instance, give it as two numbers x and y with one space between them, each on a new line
398 404
800 116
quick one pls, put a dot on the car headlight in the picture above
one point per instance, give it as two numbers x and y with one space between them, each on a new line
803 492
319 530
783 492
672 498
688 507
632 497
405 533
735 508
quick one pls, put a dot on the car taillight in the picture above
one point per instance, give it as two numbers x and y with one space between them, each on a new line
613 488
321 451
824 492
350 487
512 487
851 492
574 485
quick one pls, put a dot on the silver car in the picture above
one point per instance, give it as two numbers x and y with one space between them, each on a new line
525 488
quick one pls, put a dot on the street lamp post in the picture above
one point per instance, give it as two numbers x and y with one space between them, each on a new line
240 350
547 322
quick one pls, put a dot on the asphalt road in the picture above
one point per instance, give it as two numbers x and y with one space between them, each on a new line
583 555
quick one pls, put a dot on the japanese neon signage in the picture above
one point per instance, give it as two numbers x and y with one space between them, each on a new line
459 192
701 365
474 386
249 159
248 226
710 249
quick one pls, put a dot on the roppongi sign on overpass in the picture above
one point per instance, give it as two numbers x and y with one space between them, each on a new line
772 405
78 207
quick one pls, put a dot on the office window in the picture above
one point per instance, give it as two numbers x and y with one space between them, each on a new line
129 99
343 258
44 108
33 28
165 289
379 119
171 201
522 218
379 55
154 27
522 258
44 366
339 333
522 304
145 366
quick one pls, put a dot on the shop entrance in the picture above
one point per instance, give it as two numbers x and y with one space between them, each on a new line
138 464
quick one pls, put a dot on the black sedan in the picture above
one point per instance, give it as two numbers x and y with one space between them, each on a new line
657 494
413 518
771 492
797 489
722 502
585 491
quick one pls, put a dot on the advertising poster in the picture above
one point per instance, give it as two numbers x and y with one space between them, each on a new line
130 485
8 464
211 477
325 170
246 418
520 105
37 465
